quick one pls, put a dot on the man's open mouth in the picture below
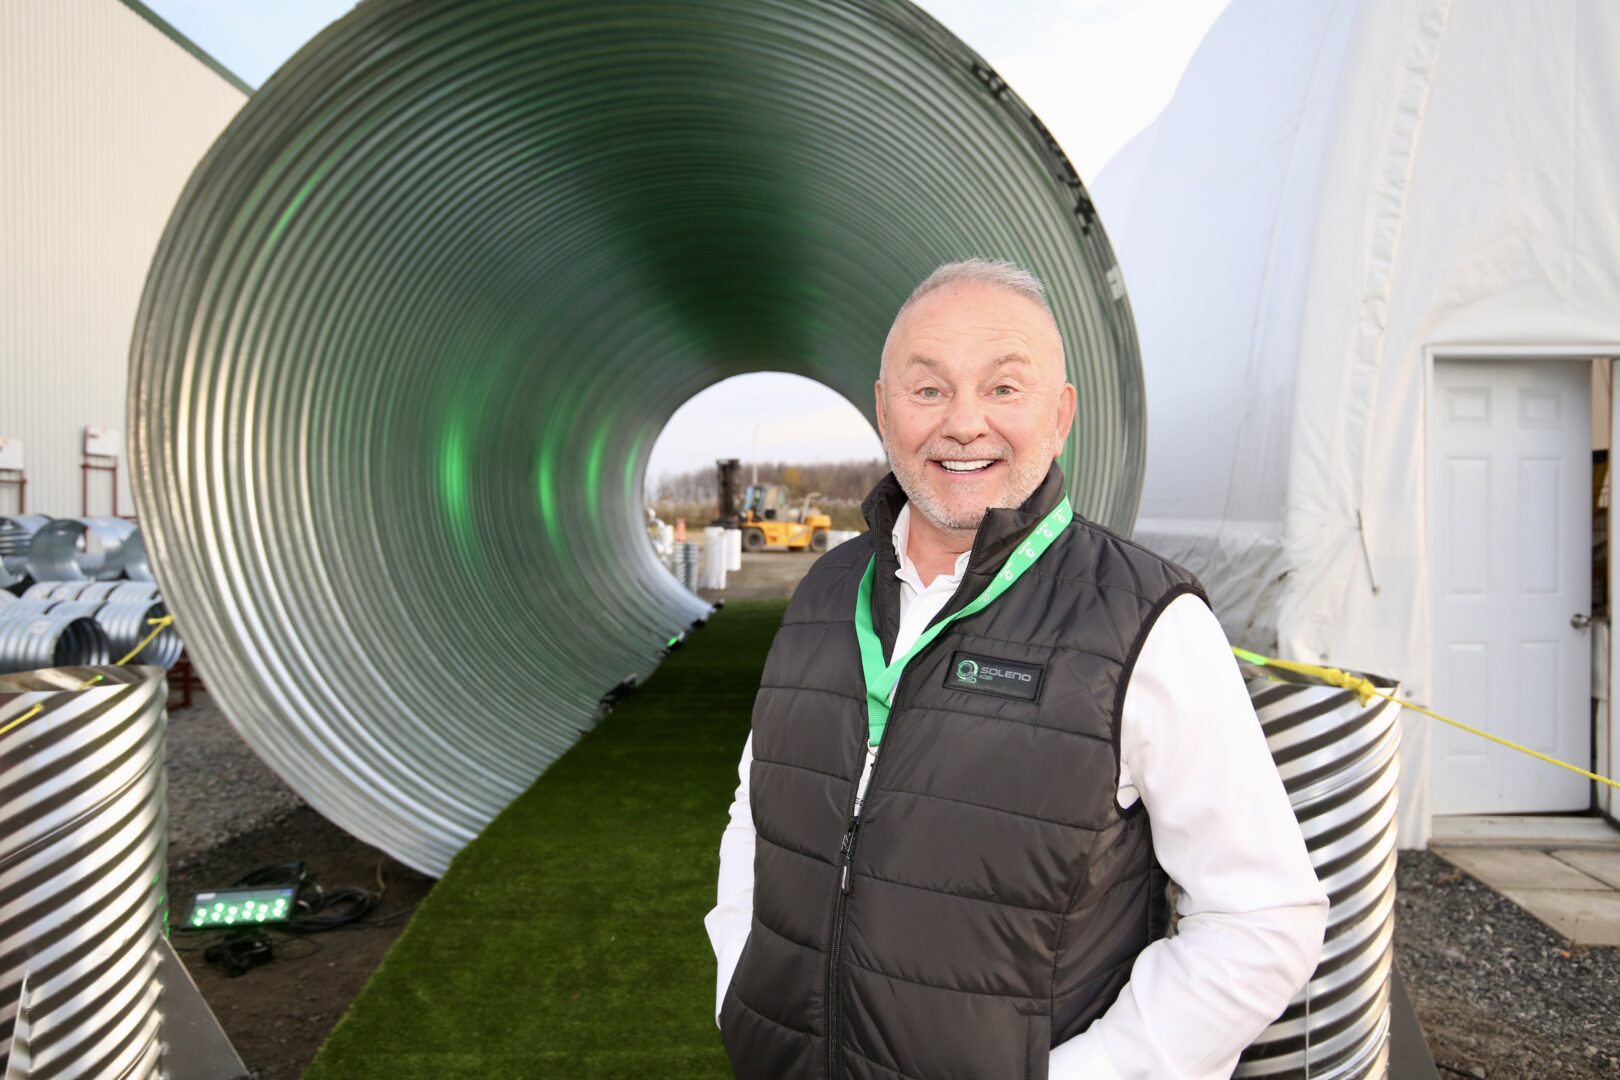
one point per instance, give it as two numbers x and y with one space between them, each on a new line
973 466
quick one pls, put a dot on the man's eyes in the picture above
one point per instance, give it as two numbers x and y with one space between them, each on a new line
933 392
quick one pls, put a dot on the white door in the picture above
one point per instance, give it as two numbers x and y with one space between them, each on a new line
1510 543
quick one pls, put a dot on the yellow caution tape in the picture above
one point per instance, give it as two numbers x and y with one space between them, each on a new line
1366 691
157 626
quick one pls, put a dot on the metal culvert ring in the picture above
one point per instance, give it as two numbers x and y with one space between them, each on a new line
1339 762
83 868
136 565
51 640
16 532
125 591
128 621
79 549
422 311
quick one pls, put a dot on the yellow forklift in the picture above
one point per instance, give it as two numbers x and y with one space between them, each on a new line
767 517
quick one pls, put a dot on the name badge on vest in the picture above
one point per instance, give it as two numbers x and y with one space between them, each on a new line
989 675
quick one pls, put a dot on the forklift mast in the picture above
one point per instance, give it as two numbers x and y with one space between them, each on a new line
729 516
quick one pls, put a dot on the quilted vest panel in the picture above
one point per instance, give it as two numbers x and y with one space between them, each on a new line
996 894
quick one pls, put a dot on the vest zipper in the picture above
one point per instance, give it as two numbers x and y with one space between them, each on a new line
847 846
846 856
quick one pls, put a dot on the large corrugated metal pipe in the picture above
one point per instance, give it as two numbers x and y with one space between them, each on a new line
82 869
1339 763
422 311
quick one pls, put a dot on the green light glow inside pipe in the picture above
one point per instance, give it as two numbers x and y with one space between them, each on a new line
421 312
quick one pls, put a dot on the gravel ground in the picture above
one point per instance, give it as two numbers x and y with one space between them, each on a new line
1497 992
218 788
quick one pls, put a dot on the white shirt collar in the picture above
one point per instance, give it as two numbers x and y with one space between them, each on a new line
908 569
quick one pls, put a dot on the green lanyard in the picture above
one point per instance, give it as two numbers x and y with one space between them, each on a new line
881 678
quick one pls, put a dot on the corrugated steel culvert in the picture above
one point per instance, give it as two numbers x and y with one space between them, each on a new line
1339 760
422 311
82 868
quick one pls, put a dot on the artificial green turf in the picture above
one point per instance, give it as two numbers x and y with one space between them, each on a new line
568 940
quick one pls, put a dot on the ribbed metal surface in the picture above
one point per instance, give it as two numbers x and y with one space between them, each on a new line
136 565
1339 762
82 869
133 590
27 607
75 549
104 119
128 621
421 313
98 590
50 640
58 590
83 609
16 532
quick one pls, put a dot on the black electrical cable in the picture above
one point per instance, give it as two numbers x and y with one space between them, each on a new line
332 909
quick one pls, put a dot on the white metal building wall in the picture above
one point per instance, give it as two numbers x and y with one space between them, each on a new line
102 119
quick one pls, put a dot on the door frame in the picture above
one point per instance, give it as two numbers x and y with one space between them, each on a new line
1433 354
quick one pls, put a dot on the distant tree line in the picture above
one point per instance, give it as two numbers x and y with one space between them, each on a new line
838 481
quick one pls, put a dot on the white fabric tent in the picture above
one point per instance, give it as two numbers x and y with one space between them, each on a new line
1338 193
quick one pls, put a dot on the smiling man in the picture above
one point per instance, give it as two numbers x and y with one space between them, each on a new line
987 732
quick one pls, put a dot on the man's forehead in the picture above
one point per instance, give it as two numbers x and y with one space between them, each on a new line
923 360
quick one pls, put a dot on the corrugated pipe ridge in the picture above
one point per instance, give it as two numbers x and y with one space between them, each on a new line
422 311
82 869
1339 761
30 639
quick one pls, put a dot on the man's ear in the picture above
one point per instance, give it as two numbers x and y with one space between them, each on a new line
882 420
1067 403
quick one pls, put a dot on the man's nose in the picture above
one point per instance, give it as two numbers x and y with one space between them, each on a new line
964 419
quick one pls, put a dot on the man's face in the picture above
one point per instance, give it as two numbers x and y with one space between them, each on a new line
972 402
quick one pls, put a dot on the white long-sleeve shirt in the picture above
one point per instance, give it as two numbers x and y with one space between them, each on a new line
1252 912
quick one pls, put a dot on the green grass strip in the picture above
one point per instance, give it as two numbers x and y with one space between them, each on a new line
567 940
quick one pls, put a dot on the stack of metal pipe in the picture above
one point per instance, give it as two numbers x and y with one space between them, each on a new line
77 549
39 548
75 623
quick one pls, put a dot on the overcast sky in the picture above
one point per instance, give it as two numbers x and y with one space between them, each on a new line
1095 71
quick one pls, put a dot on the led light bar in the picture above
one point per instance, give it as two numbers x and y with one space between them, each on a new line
240 907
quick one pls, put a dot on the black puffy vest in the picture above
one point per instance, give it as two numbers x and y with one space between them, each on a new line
997 895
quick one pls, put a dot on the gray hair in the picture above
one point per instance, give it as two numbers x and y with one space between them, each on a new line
997 273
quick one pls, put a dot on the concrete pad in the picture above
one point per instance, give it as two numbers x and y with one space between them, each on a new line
1603 865
1585 918
1519 868
1523 830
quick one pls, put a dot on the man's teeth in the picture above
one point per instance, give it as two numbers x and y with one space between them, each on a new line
966 466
